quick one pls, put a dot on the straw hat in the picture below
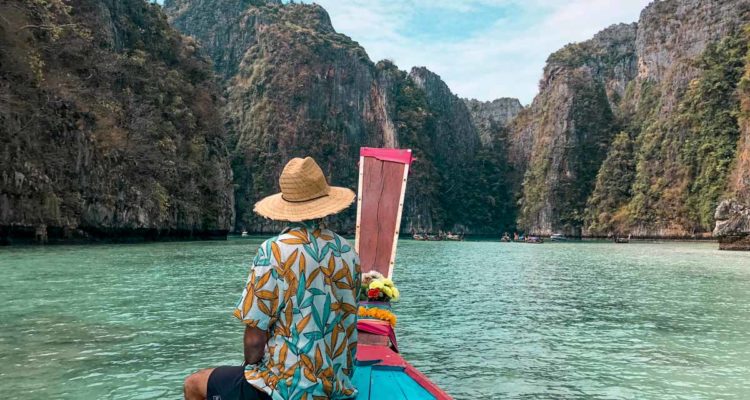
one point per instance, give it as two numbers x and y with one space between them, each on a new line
305 194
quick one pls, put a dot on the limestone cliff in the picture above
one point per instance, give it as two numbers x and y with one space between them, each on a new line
296 87
733 214
676 196
666 88
739 180
471 179
108 125
562 138
113 124
455 142
491 116
680 111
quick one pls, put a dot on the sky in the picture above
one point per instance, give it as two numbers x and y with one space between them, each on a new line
483 49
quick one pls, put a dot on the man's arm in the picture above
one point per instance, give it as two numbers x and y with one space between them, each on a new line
255 344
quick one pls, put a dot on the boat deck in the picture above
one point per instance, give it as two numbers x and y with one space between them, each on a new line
387 383
382 374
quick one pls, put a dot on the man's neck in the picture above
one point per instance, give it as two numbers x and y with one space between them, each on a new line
309 225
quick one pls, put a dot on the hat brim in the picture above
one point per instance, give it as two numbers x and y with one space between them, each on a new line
276 208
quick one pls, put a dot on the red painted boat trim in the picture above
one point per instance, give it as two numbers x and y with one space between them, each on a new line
393 155
426 383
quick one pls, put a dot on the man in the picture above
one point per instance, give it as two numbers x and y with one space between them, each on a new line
299 305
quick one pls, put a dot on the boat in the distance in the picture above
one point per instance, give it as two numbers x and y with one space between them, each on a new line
381 372
533 240
619 239
558 237
427 237
454 236
440 236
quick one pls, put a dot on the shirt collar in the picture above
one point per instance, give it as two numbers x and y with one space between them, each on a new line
309 225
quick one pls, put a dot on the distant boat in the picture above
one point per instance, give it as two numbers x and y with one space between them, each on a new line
622 239
244 233
557 237
455 237
505 238
533 240
426 236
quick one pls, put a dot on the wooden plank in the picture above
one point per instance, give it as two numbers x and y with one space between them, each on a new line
393 384
372 339
371 189
379 212
359 204
398 221
362 380
388 208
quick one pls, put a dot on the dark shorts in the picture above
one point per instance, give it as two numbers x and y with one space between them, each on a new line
228 383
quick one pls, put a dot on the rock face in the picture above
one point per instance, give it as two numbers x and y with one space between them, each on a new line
733 225
454 142
296 87
491 116
109 125
690 57
733 215
658 100
113 124
739 180
561 140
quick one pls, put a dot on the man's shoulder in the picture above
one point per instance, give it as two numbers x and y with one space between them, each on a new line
342 247
264 255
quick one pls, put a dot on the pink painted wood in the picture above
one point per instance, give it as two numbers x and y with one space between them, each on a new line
382 182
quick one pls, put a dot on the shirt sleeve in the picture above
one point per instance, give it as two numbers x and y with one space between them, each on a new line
259 304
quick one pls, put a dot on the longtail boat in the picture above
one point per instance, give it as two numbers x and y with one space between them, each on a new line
381 372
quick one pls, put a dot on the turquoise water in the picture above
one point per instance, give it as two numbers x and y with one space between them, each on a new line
482 319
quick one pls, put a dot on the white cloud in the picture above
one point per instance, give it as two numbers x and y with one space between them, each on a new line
503 60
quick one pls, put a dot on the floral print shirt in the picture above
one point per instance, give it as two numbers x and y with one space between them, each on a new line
304 289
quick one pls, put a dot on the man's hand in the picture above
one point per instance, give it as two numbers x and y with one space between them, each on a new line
255 344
